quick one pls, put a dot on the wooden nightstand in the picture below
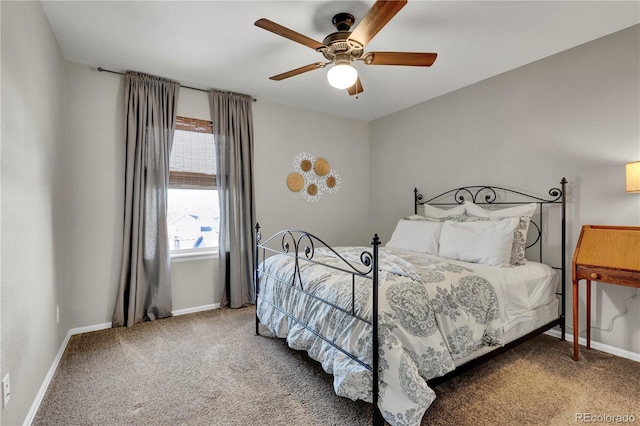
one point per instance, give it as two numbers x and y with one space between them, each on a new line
607 254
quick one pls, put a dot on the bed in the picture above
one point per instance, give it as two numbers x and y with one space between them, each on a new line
463 279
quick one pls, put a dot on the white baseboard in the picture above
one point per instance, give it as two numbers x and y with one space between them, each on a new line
90 328
599 346
196 309
45 383
80 330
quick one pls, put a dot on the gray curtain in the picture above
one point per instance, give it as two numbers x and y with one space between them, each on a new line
144 292
233 131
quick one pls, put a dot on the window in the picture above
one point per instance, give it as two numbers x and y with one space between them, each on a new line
193 212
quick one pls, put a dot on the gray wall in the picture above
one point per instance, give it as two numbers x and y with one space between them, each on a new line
95 107
574 114
35 243
281 133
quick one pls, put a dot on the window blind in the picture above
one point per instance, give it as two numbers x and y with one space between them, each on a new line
193 155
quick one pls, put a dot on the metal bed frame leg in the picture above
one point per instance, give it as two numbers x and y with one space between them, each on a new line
563 320
378 420
255 272
377 415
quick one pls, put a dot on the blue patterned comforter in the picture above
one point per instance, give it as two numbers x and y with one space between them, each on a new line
431 312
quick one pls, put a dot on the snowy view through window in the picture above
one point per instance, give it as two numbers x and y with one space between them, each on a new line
192 211
193 218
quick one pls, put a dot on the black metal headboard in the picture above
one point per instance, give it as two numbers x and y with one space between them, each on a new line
495 195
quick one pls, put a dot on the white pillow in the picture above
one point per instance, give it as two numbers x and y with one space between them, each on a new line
416 235
524 212
519 245
437 213
517 211
485 242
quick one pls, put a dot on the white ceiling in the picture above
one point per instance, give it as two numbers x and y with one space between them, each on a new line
215 44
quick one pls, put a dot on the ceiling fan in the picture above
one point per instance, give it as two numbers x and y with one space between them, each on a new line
343 47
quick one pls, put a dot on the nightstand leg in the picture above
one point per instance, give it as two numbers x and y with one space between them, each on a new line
576 327
588 310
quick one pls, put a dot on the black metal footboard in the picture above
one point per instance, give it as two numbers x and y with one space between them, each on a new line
291 245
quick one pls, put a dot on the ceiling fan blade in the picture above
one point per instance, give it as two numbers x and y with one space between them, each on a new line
356 88
297 71
376 18
290 34
400 58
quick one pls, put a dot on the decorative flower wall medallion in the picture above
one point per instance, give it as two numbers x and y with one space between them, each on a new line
312 177
303 163
312 190
331 182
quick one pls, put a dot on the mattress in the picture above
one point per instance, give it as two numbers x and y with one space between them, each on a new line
522 288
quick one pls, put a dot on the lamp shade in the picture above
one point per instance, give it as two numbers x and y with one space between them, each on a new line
633 176
342 76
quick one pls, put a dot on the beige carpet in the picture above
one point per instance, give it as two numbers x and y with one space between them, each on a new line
210 369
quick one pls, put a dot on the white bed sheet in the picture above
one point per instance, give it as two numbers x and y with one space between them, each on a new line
541 281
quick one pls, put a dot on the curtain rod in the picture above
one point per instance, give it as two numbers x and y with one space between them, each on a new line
186 87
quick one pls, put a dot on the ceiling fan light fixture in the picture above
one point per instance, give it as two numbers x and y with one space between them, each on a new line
342 76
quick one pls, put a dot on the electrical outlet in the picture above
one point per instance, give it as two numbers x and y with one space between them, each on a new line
6 390
57 314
